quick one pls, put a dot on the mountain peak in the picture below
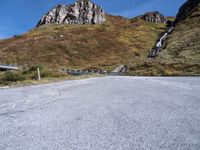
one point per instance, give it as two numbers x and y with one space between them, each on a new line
81 12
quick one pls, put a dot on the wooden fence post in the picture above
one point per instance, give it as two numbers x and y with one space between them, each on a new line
38 71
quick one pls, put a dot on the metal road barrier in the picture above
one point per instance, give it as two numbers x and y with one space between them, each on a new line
117 71
8 67
83 72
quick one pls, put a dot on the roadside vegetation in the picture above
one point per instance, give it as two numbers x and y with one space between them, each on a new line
16 77
156 68
30 76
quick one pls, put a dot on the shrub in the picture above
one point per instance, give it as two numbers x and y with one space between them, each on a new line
12 77
44 73
136 53
34 68
17 36
52 74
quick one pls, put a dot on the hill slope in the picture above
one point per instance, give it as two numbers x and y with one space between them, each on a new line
183 46
118 40
181 55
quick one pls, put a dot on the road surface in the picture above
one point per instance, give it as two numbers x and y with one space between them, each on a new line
108 113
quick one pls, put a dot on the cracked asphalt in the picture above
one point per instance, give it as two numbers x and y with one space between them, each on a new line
107 113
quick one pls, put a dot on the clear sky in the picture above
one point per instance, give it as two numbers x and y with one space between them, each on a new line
18 16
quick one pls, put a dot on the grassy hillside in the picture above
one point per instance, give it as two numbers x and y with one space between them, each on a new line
117 41
183 46
182 53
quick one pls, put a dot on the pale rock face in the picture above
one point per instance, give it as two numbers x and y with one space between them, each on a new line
82 12
154 17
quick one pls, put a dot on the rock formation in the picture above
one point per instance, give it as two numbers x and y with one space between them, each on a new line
82 12
186 8
154 17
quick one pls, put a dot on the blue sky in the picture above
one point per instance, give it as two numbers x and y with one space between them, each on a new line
19 16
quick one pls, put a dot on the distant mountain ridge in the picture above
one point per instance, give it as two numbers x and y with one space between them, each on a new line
81 12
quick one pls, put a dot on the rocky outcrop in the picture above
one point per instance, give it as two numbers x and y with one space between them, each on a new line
186 8
82 12
154 17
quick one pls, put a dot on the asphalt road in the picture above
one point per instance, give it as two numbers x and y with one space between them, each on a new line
108 113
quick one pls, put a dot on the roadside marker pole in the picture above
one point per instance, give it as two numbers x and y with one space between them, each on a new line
38 70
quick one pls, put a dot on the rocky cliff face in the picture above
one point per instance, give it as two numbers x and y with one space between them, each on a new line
82 12
154 17
186 9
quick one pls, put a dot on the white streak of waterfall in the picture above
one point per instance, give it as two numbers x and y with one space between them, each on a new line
160 42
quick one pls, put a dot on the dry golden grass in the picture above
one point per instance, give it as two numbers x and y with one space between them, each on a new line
119 40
